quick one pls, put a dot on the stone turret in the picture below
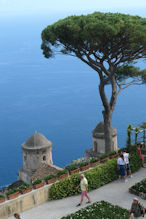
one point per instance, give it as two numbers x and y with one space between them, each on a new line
37 151
98 139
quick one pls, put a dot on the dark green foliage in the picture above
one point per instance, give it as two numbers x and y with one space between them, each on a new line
103 156
98 176
94 159
51 176
65 187
135 161
112 153
61 172
78 33
129 71
102 174
1 196
12 191
140 186
83 164
37 181
129 136
24 186
72 167
100 210
124 41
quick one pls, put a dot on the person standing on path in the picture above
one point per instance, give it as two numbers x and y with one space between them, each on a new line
126 159
137 211
139 153
84 188
122 167
17 216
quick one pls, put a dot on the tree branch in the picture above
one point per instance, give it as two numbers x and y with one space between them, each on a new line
124 85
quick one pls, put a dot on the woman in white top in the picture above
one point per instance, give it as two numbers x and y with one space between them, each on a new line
122 167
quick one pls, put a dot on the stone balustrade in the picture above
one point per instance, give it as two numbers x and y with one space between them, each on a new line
24 202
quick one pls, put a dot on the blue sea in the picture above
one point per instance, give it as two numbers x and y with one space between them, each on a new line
56 97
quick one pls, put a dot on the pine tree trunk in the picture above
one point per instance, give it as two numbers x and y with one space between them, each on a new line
108 131
107 112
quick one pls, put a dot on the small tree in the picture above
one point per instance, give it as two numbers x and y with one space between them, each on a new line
106 42
129 135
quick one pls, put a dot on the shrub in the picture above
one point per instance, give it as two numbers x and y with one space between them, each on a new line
83 164
112 153
1 196
72 167
103 156
140 186
97 177
100 210
129 135
51 176
12 191
135 161
65 187
94 159
61 172
37 181
24 186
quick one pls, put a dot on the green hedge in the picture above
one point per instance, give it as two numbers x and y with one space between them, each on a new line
100 210
97 177
140 186
94 159
135 161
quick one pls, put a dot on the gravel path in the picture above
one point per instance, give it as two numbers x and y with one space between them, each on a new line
115 192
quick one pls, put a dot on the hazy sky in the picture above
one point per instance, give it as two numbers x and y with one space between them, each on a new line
25 7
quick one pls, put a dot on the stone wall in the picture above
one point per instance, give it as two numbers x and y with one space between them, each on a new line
24 202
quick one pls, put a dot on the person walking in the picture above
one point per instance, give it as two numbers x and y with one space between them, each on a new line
126 159
84 188
122 167
137 211
17 216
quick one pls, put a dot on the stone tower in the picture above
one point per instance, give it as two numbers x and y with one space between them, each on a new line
37 150
99 141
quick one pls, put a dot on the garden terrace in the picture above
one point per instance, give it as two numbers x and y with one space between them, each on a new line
139 189
100 210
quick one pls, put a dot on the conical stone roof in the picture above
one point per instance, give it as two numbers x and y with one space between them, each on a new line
37 141
99 130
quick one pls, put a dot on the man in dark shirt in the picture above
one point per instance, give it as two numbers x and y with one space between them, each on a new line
137 210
